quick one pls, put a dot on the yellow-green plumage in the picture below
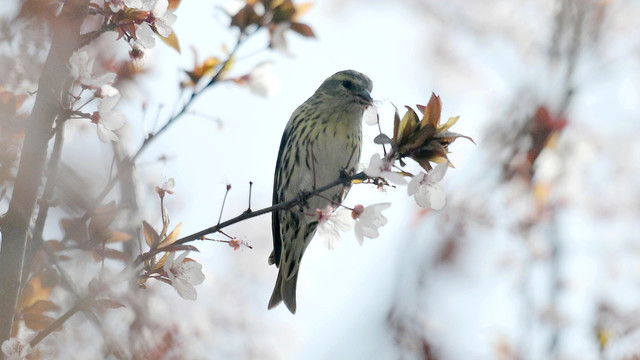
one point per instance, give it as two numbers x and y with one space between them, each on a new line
323 134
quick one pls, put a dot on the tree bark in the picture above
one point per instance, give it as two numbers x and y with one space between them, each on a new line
50 103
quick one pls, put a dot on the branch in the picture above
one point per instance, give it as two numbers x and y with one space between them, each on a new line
193 96
15 224
45 200
131 162
277 207
80 305
125 168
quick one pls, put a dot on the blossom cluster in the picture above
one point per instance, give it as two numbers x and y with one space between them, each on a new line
137 21
423 141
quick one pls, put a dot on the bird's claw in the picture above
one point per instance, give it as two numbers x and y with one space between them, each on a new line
302 198
345 176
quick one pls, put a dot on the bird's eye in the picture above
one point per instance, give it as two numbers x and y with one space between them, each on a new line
347 84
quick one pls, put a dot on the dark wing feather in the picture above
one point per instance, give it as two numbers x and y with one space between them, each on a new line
275 216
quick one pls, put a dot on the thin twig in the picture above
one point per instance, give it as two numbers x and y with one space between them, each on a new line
250 188
277 207
224 201
193 96
130 162
80 305
384 148
196 236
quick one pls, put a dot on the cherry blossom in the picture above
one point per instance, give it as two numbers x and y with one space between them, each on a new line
163 17
263 81
278 41
13 349
160 17
379 167
184 274
144 37
133 3
426 188
370 116
107 119
368 220
81 65
330 222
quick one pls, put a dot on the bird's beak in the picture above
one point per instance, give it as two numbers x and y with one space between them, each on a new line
366 97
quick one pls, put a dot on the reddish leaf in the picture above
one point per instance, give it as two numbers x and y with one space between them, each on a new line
37 322
245 17
396 125
172 237
151 236
172 41
173 4
37 289
409 121
302 29
283 11
431 114
103 217
447 137
41 306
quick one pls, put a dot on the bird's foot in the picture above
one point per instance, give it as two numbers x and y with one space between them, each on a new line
303 196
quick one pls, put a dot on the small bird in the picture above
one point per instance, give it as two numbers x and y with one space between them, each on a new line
321 140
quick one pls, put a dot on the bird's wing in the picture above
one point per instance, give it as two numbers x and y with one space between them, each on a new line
275 216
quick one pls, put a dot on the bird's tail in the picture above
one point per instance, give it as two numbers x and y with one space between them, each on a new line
285 290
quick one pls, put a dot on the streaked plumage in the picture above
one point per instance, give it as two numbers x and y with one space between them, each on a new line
330 121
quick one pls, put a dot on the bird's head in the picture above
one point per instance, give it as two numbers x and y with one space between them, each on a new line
350 86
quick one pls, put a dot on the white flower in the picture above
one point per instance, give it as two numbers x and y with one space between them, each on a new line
379 167
426 188
107 119
234 6
80 64
108 90
164 19
136 4
330 221
144 37
368 220
278 41
117 5
263 81
371 115
168 185
183 275
81 69
13 349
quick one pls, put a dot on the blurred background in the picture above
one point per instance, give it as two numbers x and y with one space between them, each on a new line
537 252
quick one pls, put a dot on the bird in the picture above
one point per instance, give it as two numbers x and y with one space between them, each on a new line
320 142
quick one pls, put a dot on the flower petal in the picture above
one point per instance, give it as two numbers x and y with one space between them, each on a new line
375 164
431 196
415 183
371 115
437 173
369 221
105 134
